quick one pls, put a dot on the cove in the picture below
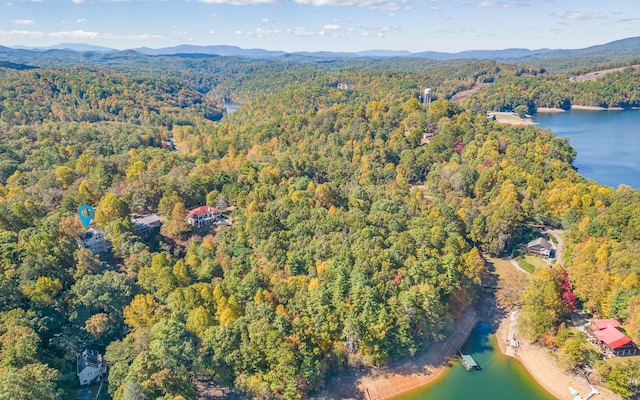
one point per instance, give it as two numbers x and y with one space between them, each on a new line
501 377
607 143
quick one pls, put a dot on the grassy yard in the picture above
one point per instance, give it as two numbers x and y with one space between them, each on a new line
536 261
619 360
501 265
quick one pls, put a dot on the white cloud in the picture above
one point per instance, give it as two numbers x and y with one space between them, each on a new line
21 34
331 27
79 1
485 4
575 15
262 32
239 32
359 3
302 32
80 20
239 2
75 35
23 21
180 33
212 32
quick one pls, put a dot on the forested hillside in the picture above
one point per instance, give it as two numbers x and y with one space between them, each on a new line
617 89
354 241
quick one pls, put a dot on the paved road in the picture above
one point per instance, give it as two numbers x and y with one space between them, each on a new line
557 233
517 266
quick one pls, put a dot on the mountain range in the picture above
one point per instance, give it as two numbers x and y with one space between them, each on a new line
627 48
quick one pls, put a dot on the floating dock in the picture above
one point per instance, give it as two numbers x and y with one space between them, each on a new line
468 362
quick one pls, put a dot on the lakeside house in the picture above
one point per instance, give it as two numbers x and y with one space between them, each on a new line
147 225
95 241
90 366
540 246
605 334
203 215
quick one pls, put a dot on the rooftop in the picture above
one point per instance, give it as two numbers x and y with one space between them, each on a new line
604 323
203 210
142 222
612 337
541 242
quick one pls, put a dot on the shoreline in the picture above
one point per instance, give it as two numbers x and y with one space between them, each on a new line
406 375
415 373
545 371
549 110
596 108
552 110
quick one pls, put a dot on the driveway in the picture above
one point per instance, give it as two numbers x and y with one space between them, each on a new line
557 234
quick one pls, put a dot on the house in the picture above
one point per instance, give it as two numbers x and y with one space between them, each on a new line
147 226
90 366
203 215
540 246
605 334
94 240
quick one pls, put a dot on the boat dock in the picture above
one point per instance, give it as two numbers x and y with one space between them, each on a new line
468 362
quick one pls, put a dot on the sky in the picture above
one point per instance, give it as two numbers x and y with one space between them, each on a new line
320 25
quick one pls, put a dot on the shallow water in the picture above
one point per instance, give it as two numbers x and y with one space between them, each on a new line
501 377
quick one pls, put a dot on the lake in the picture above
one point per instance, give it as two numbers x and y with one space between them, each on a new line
501 377
607 142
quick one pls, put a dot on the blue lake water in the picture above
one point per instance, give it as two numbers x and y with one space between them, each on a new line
607 142
501 377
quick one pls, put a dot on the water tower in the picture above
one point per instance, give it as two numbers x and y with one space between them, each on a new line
427 98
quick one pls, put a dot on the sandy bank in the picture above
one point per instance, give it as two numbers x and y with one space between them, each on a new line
594 108
511 118
540 364
410 374
422 370
549 110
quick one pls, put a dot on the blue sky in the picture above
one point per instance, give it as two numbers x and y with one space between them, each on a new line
315 25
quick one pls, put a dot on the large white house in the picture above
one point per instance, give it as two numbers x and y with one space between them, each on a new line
94 240
90 366
203 215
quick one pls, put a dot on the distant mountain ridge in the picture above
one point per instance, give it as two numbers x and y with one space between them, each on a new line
629 47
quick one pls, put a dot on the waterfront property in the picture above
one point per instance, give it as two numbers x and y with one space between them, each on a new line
540 246
468 362
502 377
605 335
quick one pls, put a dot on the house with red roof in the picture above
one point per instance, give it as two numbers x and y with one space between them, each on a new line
606 335
203 215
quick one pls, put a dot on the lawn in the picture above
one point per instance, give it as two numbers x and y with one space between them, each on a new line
536 261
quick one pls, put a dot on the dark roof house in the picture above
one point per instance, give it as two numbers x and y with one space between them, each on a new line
147 225
540 246
90 366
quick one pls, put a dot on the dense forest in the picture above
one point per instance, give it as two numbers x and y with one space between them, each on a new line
354 241
616 89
